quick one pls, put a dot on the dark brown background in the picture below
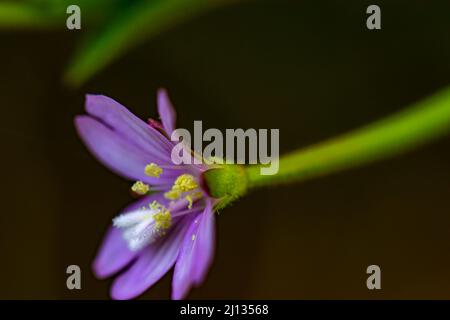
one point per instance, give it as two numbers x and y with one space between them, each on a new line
310 68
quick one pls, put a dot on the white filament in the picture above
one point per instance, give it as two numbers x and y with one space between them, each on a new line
138 227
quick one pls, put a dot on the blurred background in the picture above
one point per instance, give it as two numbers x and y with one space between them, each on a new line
311 69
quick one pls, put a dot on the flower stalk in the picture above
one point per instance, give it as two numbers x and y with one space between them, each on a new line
400 132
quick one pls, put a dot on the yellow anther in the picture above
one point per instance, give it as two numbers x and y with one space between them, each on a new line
140 188
185 182
155 205
153 170
172 194
193 237
190 200
162 219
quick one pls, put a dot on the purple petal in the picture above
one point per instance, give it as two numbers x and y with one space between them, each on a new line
126 124
114 254
196 254
166 112
182 277
153 262
117 153
204 251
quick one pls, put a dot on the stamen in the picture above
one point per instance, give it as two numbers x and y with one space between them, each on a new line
140 188
137 230
190 200
162 217
172 194
163 220
140 240
193 237
193 196
129 219
143 226
155 205
153 170
185 182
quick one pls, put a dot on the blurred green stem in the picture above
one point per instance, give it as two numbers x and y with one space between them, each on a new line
144 19
51 14
23 15
405 130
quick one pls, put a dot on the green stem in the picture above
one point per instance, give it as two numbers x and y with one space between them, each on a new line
145 19
405 130
22 15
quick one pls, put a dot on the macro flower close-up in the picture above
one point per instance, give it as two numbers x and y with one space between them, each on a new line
172 224
232 157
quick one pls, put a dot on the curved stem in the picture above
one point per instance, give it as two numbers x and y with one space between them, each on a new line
405 130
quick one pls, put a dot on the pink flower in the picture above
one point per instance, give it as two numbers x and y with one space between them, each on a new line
172 224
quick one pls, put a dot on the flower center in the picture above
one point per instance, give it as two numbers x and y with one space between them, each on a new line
183 185
143 226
